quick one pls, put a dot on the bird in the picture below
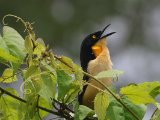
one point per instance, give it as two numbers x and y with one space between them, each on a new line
94 58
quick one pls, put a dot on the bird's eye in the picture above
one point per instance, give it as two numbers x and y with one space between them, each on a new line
94 37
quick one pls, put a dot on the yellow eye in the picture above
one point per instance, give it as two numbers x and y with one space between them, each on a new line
93 36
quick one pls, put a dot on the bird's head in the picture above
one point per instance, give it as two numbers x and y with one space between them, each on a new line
89 47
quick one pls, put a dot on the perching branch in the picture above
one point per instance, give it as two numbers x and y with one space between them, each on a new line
62 105
89 75
154 113
39 107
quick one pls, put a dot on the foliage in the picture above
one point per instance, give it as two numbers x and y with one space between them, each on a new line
101 103
50 84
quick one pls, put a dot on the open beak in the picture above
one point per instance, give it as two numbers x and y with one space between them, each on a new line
106 34
97 49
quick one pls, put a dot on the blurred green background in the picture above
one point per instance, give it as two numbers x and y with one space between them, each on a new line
63 24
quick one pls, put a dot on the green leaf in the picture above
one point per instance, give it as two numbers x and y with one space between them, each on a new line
3 45
115 110
101 103
32 82
42 102
8 76
6 56
29 44
4 52
9 106
158 105
48 87
69 67
32 70
138 110
12 90
12 47
82 112
48 67
109 73
31 89
156 115
25 114
72 93
30 109
39 48
142 93
152 87
68 88
64 81
21 111
69 62
137 94
14 42
78 72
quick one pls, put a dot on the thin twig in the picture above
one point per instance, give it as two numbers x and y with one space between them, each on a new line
39 107
28 25
87 83
18 18
5 78
62 105
154 113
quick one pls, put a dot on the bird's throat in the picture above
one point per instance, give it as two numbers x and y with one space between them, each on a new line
96 50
